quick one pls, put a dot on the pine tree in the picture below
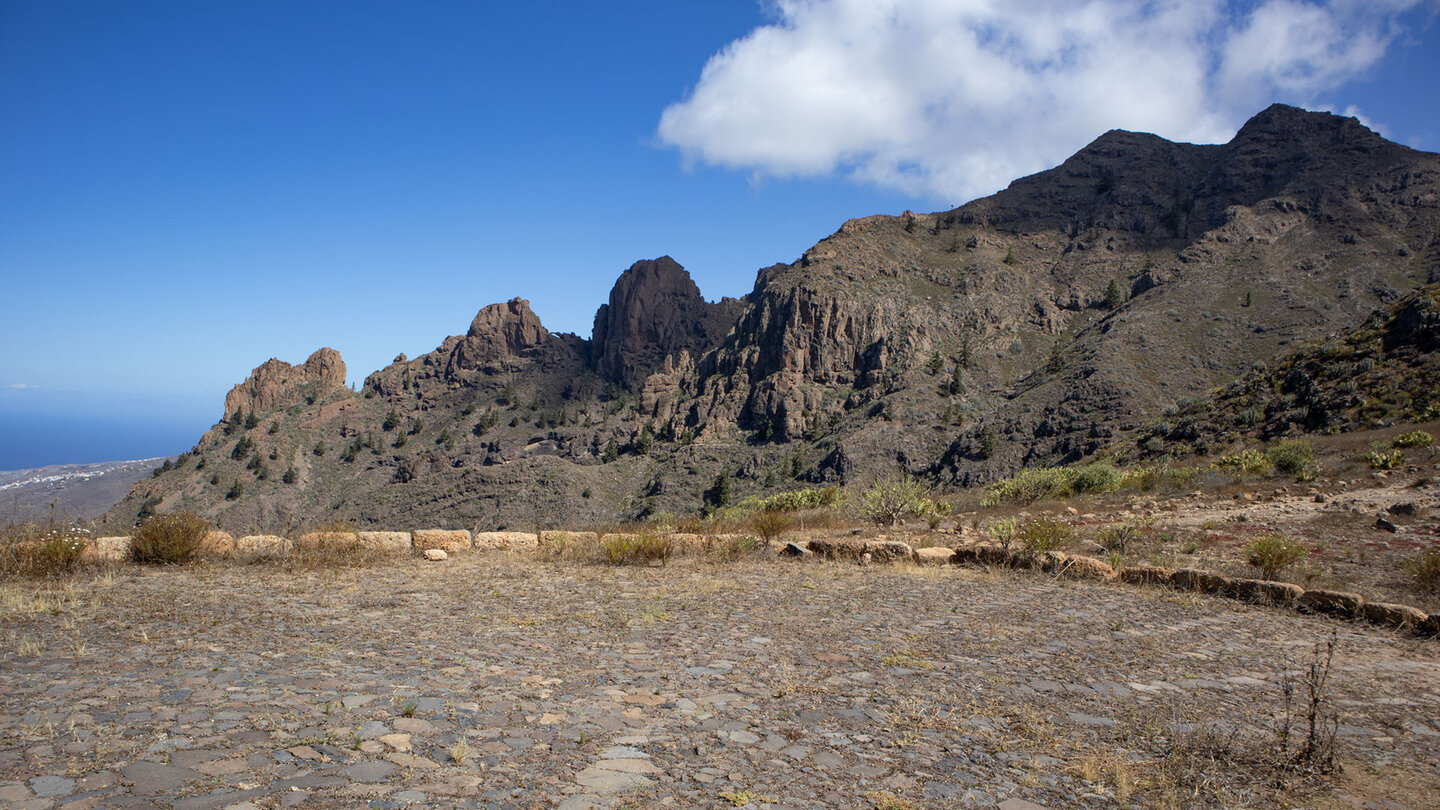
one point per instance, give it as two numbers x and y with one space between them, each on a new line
1113 296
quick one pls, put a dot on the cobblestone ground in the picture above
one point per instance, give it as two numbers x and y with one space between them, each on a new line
507 682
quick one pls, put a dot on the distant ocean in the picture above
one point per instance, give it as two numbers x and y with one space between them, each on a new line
36 440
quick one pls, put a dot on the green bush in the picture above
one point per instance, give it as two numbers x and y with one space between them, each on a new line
890 500
1039 536
167 539
1102 476
1291 457
1385 459
797 501
1415 438
1273 552
1031 485
1245 462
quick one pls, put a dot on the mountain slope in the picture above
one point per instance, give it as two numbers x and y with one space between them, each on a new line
1036 325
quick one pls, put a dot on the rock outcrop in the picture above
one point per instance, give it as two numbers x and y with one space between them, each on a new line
655 311
276 384
510 329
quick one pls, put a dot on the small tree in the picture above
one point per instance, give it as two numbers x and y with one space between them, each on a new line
242 448
236 490
890 500
319 448
251 421
1113 296
719 493
290 476
392 421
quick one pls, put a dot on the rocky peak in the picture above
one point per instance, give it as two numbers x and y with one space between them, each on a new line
510 329
276 384
655 310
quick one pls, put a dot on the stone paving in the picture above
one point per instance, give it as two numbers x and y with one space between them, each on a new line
500 681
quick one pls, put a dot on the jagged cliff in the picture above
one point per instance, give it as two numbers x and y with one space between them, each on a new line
1042 324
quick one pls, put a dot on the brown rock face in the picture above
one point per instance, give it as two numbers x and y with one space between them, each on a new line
655 311
510 329
276 384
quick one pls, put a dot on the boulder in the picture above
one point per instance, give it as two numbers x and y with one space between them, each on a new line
1339 603
1263 591
107 550
993 555
936 555
796 550
553 542
386 542
1147 575
328 540
435 554
886 551
447 540
1081 567
686 543
216 543
261 547
1192 579
505 541
836 549
1431 626
1392 615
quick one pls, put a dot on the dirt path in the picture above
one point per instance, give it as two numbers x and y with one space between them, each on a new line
491 681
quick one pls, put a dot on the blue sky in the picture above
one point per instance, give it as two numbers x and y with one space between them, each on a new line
187 189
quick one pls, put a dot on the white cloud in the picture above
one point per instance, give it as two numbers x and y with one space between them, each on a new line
20 386
954 98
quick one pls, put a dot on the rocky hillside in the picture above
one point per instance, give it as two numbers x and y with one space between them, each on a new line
1042 324
1382 372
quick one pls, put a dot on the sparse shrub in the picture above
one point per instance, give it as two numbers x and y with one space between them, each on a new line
637 549
319 448
770 523
1415 438
1120 537
1385 459
30 549
235 491
168 539
290 476
1274 552
731 548
1291 457
1039 536
1003 531
1243 463
1425 571
891 500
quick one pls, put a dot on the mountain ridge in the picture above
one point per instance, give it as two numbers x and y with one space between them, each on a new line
1033 326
